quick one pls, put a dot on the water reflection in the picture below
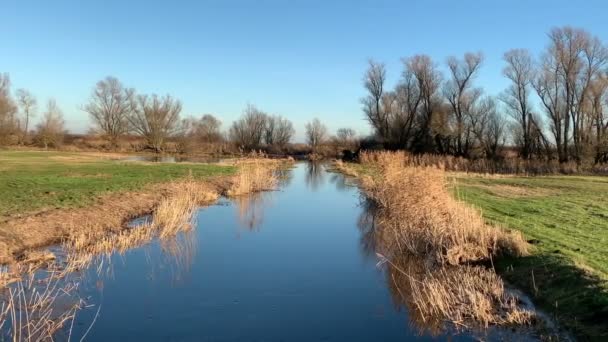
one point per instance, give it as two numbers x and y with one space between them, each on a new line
285 176
250 209
315 175
177 254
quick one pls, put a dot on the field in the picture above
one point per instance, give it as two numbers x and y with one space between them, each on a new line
33 181
565 218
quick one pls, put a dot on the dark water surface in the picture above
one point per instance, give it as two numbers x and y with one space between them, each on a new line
290 265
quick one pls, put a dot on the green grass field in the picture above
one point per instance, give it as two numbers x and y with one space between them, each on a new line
31 180
566 218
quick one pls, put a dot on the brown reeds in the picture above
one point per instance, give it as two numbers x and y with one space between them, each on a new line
431 242
506 166
422 218
467 296
253 176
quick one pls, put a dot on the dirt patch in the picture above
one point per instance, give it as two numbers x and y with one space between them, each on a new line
109 213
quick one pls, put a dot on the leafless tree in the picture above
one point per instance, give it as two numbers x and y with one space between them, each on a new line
110 107
50 131
207 129
374 81
520 71
248 131
278 131
8 110
316 133
27 103
461 97
551 93
156 119
580 58
346 137
489 127
408 98
428 79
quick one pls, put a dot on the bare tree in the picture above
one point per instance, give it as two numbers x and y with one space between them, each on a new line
8 120
156 119
520 72
27 102
278 131
316 133
248 131
580 58
489 127
110 106
374 80
428 80
346 136
50 131
207 129
461 97
407 95
550 91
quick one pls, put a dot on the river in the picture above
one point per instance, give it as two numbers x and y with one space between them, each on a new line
295 264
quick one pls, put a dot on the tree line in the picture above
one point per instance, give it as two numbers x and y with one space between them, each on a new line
553 107
117 111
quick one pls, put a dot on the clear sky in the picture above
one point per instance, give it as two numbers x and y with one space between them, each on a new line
300 59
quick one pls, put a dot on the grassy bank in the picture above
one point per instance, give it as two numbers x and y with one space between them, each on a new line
565 217
33 181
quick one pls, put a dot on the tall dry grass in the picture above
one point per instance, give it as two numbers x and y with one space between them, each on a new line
516 166
35 307
254 175
431 242
420 216
467 296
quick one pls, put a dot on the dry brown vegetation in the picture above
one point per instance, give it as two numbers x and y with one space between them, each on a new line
421 217
253 176
515 166
433 244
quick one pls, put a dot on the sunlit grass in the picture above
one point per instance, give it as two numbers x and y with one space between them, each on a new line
566 219
36 180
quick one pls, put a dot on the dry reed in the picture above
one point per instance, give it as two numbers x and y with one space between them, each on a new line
422 218
253 176
466 296
431 239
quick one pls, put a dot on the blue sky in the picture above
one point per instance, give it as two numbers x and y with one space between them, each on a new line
300 59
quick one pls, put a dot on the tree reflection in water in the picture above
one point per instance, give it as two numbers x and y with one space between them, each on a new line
315 175
250 209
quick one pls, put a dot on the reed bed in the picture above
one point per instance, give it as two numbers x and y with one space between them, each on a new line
433 242
420 216
34 309
506 166
467 296
253 176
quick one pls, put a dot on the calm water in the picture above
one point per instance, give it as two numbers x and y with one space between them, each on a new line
291 265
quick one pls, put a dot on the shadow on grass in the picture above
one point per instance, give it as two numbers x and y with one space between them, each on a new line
576 299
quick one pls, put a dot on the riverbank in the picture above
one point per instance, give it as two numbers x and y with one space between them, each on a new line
45 197
563 272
